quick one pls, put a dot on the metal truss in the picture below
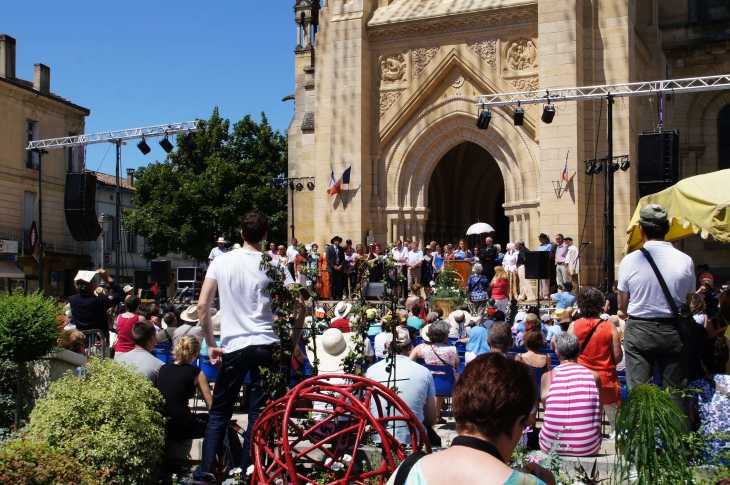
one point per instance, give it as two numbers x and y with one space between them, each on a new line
708 83
115 136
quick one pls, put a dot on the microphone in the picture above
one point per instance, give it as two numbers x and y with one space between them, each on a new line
185 290
586 243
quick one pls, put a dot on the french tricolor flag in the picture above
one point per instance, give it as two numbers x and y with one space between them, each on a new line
335 186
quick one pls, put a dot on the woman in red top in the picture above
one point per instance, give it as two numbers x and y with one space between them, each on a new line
602 351
499 288
125 322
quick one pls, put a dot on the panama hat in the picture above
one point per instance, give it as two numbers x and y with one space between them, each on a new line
424 333
216 319
457 317
342 310
336 238
190 314
558 313
332 347
128 288
221 239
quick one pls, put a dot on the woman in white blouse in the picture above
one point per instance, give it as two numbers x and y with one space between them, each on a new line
509 263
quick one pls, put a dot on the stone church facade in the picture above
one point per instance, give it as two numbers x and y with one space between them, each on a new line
388 88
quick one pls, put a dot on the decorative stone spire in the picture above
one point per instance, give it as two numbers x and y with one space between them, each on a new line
306 15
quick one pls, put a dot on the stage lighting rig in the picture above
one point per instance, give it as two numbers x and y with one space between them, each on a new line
166 145
548 113
519 117
484 119
144 147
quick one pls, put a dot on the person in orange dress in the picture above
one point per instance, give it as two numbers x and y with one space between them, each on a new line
601 347
323 282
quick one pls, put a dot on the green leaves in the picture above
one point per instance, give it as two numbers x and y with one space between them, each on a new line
28 326
111 418
184 203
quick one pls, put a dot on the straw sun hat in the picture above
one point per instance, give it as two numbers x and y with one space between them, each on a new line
332 347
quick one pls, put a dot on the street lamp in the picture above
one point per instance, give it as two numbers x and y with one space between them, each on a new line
104 223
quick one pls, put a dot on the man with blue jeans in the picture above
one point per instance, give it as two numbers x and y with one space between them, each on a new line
247 338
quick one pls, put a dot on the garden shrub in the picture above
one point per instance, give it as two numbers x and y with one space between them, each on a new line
28 462
111 417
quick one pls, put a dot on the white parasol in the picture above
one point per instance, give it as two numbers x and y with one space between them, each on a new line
479 228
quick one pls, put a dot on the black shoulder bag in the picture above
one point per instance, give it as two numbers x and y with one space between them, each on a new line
687 328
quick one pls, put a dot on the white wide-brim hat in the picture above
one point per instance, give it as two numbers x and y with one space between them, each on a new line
216 319
454 318
342 310
220 239
332 347
190 314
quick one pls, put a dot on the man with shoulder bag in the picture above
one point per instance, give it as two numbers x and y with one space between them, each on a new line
655 284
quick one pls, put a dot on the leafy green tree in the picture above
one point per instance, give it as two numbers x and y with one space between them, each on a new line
29 329
195 196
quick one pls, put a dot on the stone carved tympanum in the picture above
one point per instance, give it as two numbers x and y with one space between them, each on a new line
521 55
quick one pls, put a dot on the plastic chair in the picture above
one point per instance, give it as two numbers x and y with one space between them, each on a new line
460 347
210 370
624 387
443 378
161 352
462 363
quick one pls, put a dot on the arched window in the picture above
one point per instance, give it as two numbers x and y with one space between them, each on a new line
723 138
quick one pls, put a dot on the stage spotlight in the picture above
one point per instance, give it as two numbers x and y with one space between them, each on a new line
625 165
519 116
614 167
291 186
598 168
188 142
484 118
166 145
589 170
300 187
310 185
144 147
548 113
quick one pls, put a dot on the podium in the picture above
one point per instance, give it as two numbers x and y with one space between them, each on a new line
462 267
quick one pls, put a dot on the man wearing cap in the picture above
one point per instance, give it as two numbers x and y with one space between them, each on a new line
335 256
217 251
572 260
415 384
88 311
190 326
651 332
247 340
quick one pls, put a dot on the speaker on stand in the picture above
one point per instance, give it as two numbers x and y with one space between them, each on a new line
658 166
537 267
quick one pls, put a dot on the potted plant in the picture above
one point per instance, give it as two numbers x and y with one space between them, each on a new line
448 293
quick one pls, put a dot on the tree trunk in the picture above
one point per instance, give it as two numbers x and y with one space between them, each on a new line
19 395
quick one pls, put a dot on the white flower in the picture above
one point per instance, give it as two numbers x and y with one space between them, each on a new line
237 471
336 466
327 462
346 458
249 470
230 481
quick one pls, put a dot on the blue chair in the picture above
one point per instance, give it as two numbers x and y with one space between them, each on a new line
210 370
370 337
161 351
624 387
462 363
443 378
460 347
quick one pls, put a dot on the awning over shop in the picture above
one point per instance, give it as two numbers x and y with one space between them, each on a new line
696 205
9 270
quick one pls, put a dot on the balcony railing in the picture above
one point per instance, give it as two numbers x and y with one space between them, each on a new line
52 242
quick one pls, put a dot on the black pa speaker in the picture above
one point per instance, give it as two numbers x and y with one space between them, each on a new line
658 166
160 271
537 265
373 291
79 203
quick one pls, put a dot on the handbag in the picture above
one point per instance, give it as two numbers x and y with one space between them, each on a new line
687 328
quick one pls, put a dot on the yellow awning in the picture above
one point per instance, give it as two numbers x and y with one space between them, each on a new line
696 205
9 270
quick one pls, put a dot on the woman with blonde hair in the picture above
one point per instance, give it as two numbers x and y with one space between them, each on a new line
461 252
178 383
281 257
499 288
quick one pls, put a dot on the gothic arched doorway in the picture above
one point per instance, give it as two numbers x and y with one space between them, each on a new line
465 187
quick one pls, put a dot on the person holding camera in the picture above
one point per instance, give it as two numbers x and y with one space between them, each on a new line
88 310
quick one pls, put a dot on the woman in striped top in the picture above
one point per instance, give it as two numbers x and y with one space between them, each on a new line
572 397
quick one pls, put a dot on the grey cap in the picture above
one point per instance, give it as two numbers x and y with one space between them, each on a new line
653 213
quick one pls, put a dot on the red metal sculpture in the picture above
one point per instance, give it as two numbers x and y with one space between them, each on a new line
314 433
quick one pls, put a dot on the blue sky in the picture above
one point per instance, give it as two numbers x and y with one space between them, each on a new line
136 64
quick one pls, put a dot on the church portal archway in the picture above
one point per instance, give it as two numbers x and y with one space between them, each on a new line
465 187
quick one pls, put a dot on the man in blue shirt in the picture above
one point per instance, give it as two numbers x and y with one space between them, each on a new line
218 250
564 298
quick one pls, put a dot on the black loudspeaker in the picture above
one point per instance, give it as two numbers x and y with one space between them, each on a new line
537 265
373 291
160 271
658 161
79 203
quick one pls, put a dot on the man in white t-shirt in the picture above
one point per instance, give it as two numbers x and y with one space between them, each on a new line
415 259
400 254
247 338
651 333
291 254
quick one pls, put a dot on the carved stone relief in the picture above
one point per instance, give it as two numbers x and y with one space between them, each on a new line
386 100
520 55
421 58
526 83
457 81
393 69
487 50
